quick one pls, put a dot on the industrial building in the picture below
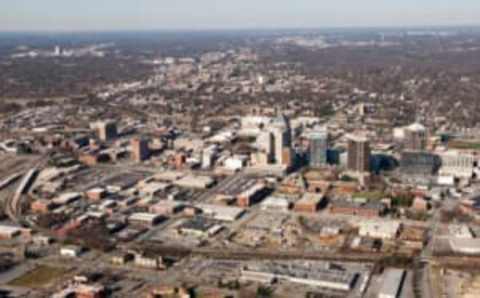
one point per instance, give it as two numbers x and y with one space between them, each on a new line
306 273
252 195
145 218
392 283
222 213
190 181
275 204
199 227
310 202
166 207
467 246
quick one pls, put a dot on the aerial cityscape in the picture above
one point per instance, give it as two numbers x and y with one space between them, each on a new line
240 163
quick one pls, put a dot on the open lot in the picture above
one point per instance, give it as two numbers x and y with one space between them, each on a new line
39 277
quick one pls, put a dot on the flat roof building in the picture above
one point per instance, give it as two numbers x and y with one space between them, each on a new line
305 273
222 213
392 283
145 218
358 154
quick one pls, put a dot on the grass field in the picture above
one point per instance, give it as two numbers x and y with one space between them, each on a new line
370 195
38 277
472 145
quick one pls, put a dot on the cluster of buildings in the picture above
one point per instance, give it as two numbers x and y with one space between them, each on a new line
261 178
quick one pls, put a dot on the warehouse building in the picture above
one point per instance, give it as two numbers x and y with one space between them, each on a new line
392 284
305 273
200 182
145 218
467 246
252 195
275 204
167 207
222 213
199 227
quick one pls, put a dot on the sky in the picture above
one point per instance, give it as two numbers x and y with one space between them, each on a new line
74 15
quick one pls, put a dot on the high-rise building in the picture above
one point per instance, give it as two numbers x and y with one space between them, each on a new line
57 52
208 156
265 144
107 130
419 163
358 154
415 138
282 136
318 148
140 150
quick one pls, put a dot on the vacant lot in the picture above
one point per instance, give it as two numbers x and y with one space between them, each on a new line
39 277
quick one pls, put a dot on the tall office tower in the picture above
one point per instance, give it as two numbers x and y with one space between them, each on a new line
57 52
415 138
265 143
282 145
318 148
107 130
208 156
358 154
140 150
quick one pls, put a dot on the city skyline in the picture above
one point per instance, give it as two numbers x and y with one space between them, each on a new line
55 15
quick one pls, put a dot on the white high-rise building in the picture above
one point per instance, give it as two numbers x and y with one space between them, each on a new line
57 51
282 145
208 157
265 143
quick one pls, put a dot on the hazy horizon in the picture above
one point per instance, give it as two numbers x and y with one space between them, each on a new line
193 15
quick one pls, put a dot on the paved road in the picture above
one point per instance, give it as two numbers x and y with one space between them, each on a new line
13 203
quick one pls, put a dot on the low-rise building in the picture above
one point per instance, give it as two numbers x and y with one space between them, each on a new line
305 274
252 195
221 213
166 207
392 283
190 181
275 204
368 209
71 251
96 194
310 203
149 261
379 229
144 218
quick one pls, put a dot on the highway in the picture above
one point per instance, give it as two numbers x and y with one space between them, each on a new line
13 202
